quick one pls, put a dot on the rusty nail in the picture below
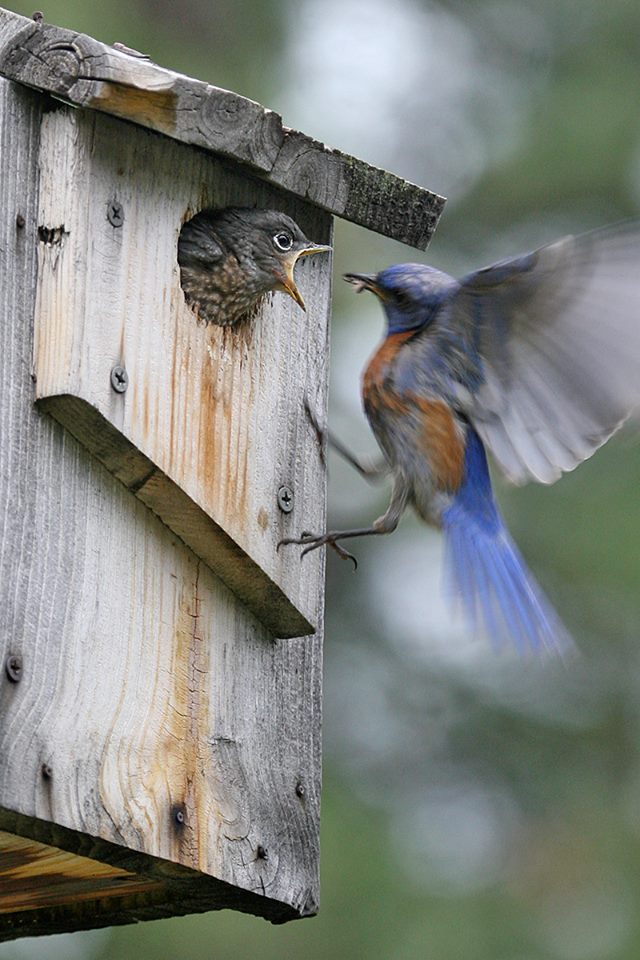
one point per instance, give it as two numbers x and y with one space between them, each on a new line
119 378
285 498
262 852
13 668
46 771
20 221
115 213
300 790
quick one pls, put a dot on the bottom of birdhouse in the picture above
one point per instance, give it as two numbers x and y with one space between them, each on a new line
34 875
45 889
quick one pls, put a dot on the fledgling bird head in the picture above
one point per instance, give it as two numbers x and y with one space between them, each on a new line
410 293
230 258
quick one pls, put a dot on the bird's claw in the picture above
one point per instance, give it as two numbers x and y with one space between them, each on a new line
311 541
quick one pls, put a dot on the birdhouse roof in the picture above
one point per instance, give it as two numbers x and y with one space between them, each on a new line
116 80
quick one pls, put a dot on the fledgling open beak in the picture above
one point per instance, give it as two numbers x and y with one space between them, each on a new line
362 281
287 281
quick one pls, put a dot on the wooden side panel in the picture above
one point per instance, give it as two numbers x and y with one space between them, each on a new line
154 712
213 421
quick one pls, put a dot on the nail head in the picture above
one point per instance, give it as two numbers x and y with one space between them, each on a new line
115 213
285 498
13 668
119 378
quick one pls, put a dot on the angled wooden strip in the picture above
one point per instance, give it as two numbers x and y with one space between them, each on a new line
265 598
88 73
391 206
356 191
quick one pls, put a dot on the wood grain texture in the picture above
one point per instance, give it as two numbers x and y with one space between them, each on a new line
91 74
148 689
157 888
34 875
213 421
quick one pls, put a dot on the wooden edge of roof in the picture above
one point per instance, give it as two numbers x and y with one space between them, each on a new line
86 73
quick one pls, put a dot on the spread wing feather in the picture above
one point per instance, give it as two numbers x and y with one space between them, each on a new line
554 337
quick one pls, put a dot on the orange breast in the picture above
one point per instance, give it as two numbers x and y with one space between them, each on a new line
441 440
431 425
374 392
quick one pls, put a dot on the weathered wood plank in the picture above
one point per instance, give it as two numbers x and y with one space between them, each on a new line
87 73
172 725
213 421
162 888
34 875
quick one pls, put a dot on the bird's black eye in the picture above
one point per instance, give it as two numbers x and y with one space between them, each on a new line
402 299
283 240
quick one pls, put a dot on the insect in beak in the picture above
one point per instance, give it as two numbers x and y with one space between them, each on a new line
364 281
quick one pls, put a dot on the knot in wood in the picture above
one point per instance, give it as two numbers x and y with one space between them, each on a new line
62 62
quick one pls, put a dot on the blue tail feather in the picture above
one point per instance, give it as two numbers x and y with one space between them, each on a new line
486 569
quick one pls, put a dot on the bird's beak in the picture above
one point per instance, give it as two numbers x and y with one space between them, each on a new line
363 281
313 248
288 284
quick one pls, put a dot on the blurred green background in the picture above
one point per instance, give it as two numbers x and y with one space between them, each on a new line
476 806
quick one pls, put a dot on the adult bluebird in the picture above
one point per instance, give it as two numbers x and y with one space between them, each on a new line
536 359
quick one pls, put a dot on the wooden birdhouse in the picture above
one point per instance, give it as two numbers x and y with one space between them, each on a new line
160 685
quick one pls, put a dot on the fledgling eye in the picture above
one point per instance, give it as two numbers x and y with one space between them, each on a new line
283 241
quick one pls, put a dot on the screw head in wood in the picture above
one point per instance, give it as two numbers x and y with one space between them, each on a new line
300 790
285 498
13 668
115 213
119 378
20 221
46 771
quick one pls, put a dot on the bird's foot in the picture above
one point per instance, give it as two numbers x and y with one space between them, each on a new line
311 541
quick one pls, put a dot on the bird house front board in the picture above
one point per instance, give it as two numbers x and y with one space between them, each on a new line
208 426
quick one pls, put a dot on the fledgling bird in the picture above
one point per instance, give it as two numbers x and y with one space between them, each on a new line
231 258
536 359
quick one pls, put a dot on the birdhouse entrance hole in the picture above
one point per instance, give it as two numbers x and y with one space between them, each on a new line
231 259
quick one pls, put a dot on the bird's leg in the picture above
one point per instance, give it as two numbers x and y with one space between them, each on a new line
369 470
387 523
